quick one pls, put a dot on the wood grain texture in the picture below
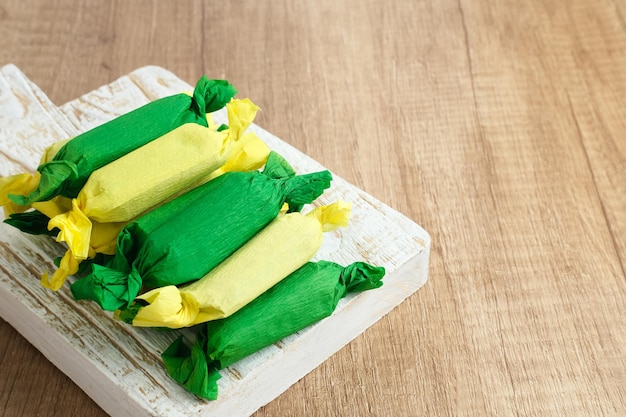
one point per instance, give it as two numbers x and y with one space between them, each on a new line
495 125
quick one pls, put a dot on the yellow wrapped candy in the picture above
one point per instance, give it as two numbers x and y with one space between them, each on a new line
144 178
279 249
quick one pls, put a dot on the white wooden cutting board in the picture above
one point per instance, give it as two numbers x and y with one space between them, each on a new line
120 366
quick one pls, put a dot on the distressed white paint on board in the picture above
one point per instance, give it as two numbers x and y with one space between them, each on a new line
119 366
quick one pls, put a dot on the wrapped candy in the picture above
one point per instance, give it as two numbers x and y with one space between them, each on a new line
248 153
280 248
184 239
308 295
24 184
72 165
144 178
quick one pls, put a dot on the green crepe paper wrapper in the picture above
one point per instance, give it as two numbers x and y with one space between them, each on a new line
306 296
32 222
78 158
85 266
184 239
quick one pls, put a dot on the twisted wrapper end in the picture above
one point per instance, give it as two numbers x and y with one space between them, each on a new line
75 229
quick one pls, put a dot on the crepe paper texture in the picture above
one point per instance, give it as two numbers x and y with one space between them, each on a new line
102 241
23 184
103 237
15 184
185 238
72 165
145 177
248 154
32 222
36 221
283 246
303 298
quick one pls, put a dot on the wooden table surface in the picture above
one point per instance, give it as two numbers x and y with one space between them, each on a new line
497 126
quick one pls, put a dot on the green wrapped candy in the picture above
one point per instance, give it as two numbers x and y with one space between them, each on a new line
306 296
184 239
70 168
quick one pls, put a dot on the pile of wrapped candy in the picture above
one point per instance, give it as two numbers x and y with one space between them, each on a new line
171 222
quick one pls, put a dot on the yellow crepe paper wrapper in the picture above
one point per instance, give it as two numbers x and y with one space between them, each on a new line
24 184
144 178
21 184
102 240
247 154
280 248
